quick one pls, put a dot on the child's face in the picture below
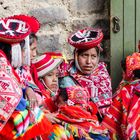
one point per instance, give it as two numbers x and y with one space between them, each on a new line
51 80
33 50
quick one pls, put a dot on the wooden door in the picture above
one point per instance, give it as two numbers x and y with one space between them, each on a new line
124 34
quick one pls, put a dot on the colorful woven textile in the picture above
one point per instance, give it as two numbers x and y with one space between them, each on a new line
98 84
77 96
27 81
10 93
41 126
19 126
123 117
21 122
26 77
81 119
59 133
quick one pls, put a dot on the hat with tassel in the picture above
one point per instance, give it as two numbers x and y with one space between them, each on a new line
15 29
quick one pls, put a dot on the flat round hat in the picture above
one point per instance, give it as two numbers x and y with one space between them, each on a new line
13 30
86 38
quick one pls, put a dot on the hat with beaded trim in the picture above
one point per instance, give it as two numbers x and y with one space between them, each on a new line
13 30
86 38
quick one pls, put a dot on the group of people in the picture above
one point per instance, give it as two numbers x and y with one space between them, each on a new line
45 97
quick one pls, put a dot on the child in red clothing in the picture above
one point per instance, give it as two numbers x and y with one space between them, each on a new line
76 110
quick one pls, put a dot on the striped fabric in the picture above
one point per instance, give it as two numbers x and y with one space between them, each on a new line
19 128
21 122
59 133
40 127
45 63
123 116
81 121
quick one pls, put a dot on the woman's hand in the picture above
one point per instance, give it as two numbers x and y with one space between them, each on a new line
31 98
52 117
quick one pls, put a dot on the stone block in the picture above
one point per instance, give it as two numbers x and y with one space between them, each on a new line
52 15
48 43
87 6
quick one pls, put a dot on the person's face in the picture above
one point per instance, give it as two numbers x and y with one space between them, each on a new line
33 49
51 80
88 60
23 55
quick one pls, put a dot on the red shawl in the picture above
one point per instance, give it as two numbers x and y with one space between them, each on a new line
80 118
123 119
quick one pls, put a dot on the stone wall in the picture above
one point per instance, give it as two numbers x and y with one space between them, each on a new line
59 18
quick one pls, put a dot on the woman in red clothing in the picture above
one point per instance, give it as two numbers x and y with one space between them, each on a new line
123 117
16 120
47 81
86 70
77 114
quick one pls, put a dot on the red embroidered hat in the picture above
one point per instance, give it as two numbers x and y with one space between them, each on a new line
86 38
45 64
13 30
